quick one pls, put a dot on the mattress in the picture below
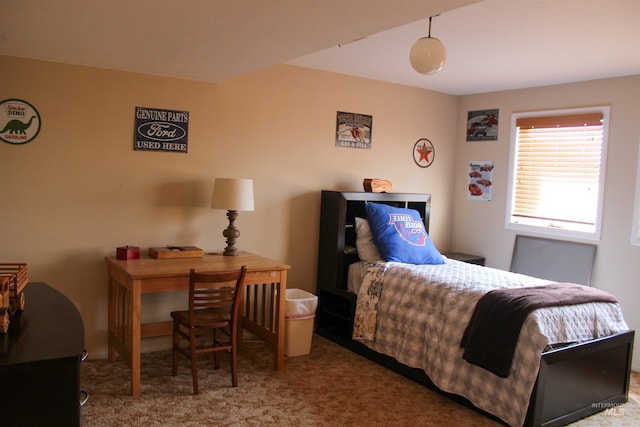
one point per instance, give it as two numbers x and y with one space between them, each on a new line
423 310
355 276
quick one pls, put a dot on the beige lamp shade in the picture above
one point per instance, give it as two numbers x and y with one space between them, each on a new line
233 194
428 55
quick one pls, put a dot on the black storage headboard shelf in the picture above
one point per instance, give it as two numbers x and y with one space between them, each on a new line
336 305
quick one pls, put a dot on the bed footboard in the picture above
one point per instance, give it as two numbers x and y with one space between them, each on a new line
580 380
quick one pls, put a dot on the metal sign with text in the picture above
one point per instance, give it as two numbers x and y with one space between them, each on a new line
161 130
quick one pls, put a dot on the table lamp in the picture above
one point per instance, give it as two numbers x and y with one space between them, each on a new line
232 195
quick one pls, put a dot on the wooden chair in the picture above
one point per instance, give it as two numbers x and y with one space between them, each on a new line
213 308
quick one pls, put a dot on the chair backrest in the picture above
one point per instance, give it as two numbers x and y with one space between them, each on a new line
215 290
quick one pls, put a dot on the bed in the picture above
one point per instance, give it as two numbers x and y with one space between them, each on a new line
557 376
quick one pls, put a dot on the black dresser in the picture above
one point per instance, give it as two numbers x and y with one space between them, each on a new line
40 361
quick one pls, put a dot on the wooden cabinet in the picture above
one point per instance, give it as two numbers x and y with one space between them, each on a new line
336 251
40 361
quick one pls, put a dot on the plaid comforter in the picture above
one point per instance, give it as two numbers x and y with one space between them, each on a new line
418 313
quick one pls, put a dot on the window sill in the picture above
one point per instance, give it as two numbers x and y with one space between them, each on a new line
556 232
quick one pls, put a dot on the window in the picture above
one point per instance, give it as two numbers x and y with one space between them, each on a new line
557 170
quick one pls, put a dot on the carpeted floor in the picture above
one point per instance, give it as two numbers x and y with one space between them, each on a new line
330 387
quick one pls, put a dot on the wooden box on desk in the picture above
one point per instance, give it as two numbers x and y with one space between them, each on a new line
128 252
165 252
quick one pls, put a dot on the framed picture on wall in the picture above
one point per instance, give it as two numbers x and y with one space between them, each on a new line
482 125
353 130
161 130
480 179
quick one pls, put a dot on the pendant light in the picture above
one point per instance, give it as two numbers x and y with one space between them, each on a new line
428 55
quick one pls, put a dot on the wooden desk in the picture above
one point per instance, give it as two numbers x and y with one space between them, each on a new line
262 309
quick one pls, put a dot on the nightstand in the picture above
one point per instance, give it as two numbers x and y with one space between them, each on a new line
471 259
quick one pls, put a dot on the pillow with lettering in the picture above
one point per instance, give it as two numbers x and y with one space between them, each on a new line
400 235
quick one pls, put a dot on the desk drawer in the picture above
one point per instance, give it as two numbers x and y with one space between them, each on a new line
165 284
261 277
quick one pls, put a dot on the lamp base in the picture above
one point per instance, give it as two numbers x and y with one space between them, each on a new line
231 233
229 252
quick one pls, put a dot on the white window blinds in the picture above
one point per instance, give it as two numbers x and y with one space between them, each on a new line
558 169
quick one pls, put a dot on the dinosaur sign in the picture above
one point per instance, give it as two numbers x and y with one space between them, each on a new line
19 121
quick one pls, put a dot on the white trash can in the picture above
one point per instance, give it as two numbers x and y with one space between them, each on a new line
299 314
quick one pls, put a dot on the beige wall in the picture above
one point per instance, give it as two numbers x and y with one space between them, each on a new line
79 190
479 227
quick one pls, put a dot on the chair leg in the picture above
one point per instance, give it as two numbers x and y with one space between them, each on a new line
176 339
216 361
194 360
234 368
234 359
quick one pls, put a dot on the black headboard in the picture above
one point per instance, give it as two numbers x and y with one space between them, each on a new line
337 228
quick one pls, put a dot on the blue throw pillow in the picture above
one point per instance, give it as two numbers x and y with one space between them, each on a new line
400 235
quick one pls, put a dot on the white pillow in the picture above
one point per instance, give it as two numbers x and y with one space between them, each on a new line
367 249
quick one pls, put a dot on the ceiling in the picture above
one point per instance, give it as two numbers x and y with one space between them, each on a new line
491 44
